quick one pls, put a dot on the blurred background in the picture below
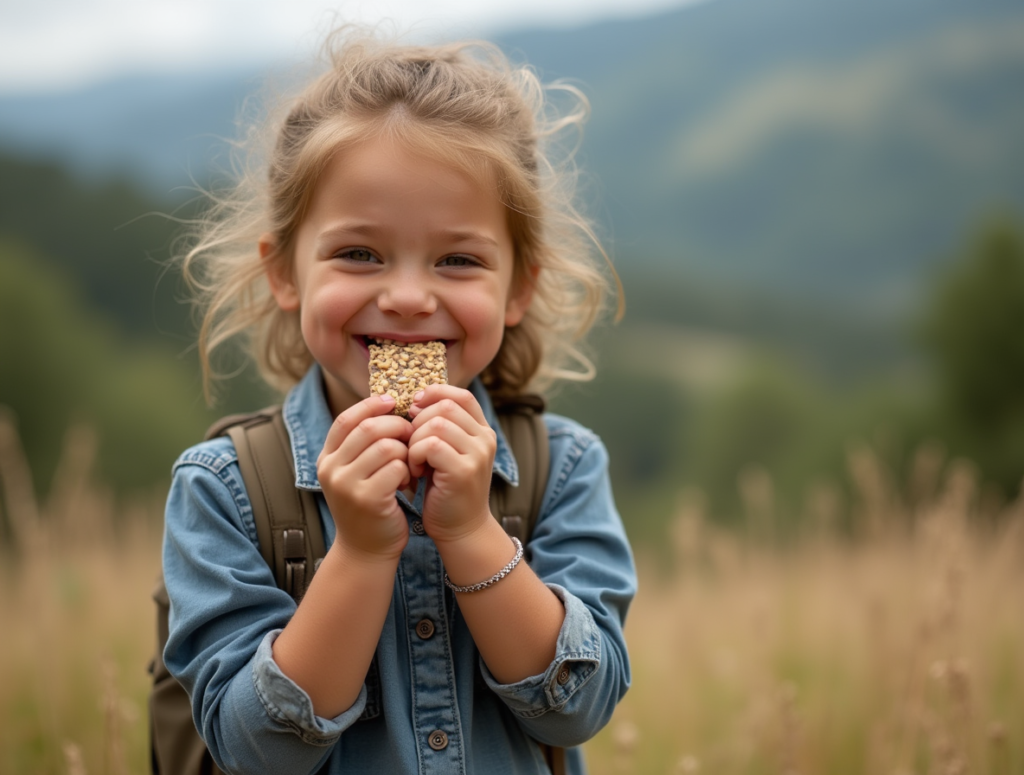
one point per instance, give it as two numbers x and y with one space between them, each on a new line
816 210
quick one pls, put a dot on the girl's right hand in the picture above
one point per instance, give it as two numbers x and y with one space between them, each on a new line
363 462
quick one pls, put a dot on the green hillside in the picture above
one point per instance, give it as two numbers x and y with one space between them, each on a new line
94 327
833 150
111 241
67 365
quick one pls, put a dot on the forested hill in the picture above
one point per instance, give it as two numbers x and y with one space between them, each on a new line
833 151
109 240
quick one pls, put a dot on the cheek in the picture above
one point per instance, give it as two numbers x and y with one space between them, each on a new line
484 323
324 314
483 315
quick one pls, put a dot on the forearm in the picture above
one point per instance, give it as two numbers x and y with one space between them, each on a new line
514 623
327 646
576 696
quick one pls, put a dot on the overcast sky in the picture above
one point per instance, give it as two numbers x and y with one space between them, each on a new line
56 44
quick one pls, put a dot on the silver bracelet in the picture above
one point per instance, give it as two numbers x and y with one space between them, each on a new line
493 579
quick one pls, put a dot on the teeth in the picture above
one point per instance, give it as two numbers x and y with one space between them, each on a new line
395 342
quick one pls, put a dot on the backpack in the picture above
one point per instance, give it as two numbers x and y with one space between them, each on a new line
292 543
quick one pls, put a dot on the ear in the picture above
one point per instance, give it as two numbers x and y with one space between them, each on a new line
519 300
279 274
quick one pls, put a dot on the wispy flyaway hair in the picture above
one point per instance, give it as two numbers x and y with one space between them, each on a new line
462 104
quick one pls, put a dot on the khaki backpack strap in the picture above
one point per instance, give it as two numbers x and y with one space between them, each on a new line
518 508
555 758
174 744
291 541
287 519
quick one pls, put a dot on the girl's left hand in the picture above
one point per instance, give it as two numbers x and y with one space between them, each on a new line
452 441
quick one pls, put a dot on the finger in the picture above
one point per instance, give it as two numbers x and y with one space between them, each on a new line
375 457
390 477
446 415
350 441
344 480
477 451
437 393
344 423
368 432
433 453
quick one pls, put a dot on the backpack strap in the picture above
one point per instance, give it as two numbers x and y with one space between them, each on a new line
518 508
287 519
522 422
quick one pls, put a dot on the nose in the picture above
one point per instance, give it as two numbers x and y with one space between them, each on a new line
407 294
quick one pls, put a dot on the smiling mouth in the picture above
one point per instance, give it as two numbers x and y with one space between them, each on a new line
368 340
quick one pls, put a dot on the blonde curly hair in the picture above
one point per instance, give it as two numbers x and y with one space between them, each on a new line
463 104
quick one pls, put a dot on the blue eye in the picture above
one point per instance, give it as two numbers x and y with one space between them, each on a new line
359 255
457 260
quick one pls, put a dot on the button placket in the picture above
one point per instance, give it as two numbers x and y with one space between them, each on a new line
435 711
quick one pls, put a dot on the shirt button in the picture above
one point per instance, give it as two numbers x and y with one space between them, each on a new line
438 740
417 527
563 675
425 628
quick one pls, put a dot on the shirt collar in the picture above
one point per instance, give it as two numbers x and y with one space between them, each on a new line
308 418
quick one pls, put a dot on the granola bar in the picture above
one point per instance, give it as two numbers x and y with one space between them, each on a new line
400 370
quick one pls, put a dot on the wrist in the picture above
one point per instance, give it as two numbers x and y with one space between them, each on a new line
468 536
487 583
352 556
476 555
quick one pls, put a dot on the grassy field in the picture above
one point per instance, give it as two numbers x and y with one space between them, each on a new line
897 650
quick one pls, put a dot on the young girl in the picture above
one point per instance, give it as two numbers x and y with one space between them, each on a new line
407 197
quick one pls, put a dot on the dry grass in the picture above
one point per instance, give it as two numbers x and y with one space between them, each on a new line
898 652
74 594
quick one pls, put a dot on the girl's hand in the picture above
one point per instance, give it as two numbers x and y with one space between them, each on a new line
362 464
452 442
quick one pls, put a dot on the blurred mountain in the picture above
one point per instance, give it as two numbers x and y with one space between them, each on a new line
163 131
834 151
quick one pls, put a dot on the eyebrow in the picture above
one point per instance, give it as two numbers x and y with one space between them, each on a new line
355 227
370 229
460 235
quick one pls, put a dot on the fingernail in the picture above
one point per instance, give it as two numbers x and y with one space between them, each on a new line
387 399
418 395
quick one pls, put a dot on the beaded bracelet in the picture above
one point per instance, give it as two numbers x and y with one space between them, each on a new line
493 579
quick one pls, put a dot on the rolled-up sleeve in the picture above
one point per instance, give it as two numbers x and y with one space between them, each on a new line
225 613
580 550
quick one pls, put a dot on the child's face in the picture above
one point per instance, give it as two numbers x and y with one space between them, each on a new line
395 245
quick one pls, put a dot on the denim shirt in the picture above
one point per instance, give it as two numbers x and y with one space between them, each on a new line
226 611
